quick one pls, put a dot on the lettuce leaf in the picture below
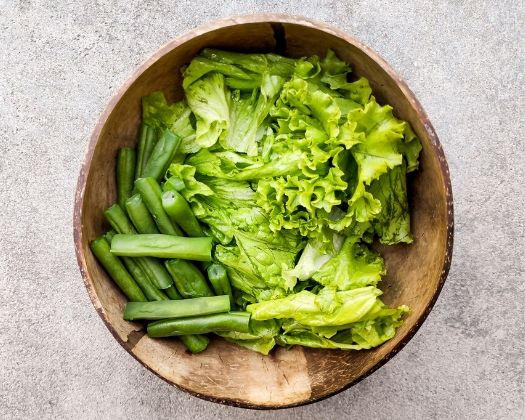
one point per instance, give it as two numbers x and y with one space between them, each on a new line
357 336
263 257
242 275
328 308
187 174
313 257
256 63
378 150
354 266
260 345
310 339
209 99
261 337
177 117
393 222
201 66
293 168
247 115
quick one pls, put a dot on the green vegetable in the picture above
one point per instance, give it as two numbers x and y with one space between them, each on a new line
328 308
208 99
176 117
188 279
180 213
282 172
191 284
313 258
172 293
411 147
140 216
174 183
393 222
260 338
353 267
219 280
162 246
153 268
161 155
151 292
126 160
109 235
118 220
195 343
231 321
252 64
359 335
116 270
150 192
176 308
147 141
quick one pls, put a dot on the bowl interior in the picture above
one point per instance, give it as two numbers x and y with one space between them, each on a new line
225 372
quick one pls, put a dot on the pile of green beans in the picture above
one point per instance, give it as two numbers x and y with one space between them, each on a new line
153 244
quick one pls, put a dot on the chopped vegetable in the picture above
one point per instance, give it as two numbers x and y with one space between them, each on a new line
126 159
152 267
140 216
147 141
162 246
231 321
180 213
150 192
176 308
188 279
282 173
219 280
116 270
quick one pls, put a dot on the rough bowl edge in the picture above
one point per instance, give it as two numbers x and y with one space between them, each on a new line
263 18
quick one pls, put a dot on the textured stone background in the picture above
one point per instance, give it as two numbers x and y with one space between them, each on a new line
60 62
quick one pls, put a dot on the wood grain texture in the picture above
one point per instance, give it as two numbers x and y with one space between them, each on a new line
226 373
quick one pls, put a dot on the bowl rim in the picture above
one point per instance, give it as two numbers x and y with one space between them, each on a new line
272 18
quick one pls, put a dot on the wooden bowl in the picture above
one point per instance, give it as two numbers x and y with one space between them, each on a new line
227 373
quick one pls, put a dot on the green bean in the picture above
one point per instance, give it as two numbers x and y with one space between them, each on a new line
162 155
155 271
195 343
150 192
140 216
188 279
152 267
162 246
126 159
174 183
219 280
109 235
118 220
205 264
141 278
172 293
179 211
231 321
176 308
147 141
117 271
143 281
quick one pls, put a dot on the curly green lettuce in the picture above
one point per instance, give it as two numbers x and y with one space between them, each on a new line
177 117
294 168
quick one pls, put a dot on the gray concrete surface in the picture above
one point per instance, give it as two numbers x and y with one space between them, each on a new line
60 62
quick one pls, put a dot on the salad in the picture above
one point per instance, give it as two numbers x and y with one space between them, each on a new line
249 208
